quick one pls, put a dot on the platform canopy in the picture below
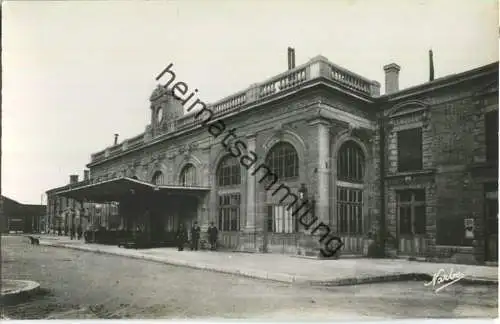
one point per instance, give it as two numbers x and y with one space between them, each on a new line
119 188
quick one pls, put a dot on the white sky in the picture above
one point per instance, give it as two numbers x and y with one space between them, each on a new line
75 73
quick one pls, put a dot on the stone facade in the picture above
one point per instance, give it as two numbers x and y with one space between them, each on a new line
317 108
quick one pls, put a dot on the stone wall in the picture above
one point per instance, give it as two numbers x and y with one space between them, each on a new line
453 141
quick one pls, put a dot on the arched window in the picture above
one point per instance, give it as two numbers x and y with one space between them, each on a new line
350 163
350 170
228 173
283 160
188 175
158 178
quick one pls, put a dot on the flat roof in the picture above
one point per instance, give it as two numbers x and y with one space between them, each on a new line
118 188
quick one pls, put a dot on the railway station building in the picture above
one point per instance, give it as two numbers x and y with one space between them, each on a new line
421 161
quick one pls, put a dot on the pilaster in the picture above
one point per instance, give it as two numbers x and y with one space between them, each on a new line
251 190
321 162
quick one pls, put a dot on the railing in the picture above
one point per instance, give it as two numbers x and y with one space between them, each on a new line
229 103
318 67
135 141
98 155
187 121
283 82
350 79
115 149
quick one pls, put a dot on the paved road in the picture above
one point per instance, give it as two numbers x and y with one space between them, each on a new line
87 285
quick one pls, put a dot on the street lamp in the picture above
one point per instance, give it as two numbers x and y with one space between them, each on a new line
303 192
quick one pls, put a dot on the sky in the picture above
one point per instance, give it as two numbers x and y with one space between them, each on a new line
74 73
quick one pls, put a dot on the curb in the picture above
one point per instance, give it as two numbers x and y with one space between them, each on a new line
279 277
255 274
28 289
395 278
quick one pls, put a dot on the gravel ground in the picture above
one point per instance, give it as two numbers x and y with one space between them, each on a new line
84 285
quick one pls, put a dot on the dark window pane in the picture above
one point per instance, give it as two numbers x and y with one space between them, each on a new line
234 219
360 220
228 172
410 150
350 162
404 196
419 195
349 211
220 220
270 220
229 212
420 220
282 159
405 220
412 218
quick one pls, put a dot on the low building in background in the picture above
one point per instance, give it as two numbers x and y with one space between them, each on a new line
21 218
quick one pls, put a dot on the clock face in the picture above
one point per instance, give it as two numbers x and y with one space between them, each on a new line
159 115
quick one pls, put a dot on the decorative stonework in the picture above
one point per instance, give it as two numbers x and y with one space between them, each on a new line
415 179
365 135
157 93
187 149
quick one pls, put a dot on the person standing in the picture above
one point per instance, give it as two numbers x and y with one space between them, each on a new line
212 236
195 236
79 231
181 237
73 232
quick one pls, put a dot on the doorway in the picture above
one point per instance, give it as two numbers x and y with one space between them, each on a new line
188 210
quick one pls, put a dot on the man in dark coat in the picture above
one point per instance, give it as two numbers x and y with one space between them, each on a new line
73 232
212 236
79 231
181 237
195 236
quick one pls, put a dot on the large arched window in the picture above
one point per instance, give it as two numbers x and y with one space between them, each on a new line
350 163
228 173
350 174
188 175
283 160
157 178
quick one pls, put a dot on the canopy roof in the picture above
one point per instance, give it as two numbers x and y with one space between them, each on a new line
115 189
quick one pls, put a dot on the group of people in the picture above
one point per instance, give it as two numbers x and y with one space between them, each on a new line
182 236
74 232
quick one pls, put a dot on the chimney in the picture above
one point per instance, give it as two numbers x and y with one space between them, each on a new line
291 58
116 139
73 178
86 175
391 78
431 66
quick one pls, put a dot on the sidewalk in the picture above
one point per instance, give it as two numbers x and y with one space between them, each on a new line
286 268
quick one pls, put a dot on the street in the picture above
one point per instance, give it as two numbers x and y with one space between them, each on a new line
77 284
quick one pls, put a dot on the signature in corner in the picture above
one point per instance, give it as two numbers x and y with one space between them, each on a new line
444 279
